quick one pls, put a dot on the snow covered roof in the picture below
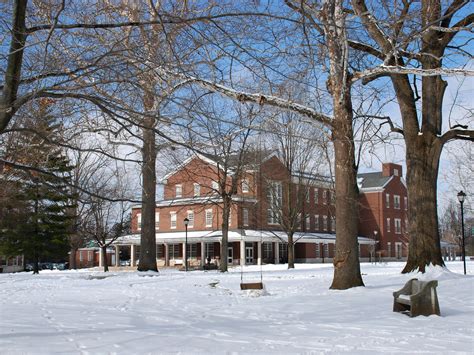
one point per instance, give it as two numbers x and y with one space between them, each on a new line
248 235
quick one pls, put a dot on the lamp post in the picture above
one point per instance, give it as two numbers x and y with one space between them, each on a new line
461 197
186 222
375 246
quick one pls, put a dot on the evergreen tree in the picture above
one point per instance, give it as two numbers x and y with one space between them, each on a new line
37 223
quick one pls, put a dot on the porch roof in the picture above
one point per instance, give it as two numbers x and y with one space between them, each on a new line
249 235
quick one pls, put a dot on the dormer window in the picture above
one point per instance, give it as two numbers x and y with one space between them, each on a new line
215 187
245 186
179 191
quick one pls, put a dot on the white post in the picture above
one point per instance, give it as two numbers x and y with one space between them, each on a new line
132 254
167 255
184 253
277 253
203 254
242 252
117 255
259 253
100 257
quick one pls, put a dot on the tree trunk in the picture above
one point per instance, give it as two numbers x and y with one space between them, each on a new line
422 175
36 265
291 252
346 259
148 237
104 258
225 234
72 258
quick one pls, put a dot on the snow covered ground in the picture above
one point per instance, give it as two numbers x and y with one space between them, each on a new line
91 312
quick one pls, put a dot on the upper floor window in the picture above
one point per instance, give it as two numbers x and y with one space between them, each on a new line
308 222
398 225
209 218
173 220
396 202
316 196
388 224
333 224
245 217
215 187
190 216
157 220
325 197
139 221
179 190
387 200
197 190
275 194
333 198
307 195
405 202
325 223
245 186
316 222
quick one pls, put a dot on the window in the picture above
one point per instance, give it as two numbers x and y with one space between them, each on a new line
316 221
179 190
396 202
157 220
325 223
389 249
316 195
90 255
209 250
190 216
245 186
81 256
333 198
306 191
215 186
325 197
173 220
388 224
318 250
308 222
326 250
267 250
173 251
405 201
272 216
191 251
139 221
387 200
398 250
209 218
160 251
398 225
274 198
245 217
395 172
197 190
333 224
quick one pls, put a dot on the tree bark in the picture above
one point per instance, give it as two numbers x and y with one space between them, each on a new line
104 258
225 234
346 259
291 251
72 259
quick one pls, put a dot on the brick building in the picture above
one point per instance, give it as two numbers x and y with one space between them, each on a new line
255 234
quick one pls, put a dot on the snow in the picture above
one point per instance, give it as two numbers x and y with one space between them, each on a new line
129 312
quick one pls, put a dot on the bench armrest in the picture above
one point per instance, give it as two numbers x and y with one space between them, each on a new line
405 290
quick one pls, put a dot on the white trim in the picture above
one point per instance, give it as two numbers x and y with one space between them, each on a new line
175 214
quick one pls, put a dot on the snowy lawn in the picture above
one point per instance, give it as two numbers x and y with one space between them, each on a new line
205 312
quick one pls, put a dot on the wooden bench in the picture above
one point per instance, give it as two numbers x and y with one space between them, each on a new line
417 298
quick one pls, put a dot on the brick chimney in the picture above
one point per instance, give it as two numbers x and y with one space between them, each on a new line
389 169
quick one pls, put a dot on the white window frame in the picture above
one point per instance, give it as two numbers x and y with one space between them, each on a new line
316 222
196 190
316 196
267 250
178 188
333 223
90 255
81 257
139 221
397 225
173 251
398 250
190 217
325 197
396 202
326 250
389 249
388 224
191 251
318 250
325 223
307 192
173 220
208 216
215 186
387 200
308 222
245 186
245 217
157 220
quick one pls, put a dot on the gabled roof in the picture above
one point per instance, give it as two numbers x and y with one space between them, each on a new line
372 180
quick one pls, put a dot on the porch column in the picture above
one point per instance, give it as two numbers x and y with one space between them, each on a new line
259 253
132 254
184 253
117 255
100 257
203 254
167 255
242 252
277 252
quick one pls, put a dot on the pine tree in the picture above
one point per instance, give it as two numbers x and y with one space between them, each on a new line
38 226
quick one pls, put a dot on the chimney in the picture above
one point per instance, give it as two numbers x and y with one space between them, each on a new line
390 169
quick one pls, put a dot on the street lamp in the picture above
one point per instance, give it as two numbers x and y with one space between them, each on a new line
186 222
461 197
